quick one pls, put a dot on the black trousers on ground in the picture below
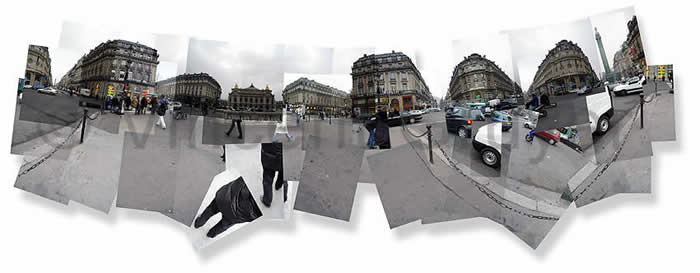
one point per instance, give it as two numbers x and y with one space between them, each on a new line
237 124
220 227
268 175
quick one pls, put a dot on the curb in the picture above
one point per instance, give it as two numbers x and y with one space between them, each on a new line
542 206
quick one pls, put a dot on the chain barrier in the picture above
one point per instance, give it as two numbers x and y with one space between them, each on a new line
403 125
613 158
37 162
491 195
481 188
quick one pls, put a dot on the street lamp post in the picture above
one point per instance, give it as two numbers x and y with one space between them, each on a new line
377 76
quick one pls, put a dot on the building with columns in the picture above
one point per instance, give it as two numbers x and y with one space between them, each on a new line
104 69
38 71
251 98
190 88
564 68
478 79
390 80
317 97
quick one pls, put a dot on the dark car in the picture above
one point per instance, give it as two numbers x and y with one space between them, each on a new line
459 120
395 118
505 105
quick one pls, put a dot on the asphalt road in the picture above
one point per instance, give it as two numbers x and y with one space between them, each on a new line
60 109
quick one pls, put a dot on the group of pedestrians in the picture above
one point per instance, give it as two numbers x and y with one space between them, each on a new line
378 130
536 101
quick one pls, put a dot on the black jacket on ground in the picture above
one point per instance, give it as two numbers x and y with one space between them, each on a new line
236 203
271 156
381 134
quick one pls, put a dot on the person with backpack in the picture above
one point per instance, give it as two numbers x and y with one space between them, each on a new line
162 108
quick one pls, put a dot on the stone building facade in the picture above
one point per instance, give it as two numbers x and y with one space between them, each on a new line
316 96
478 79
390 80
104 69
38 71
564 68
630 60
251 99
190 88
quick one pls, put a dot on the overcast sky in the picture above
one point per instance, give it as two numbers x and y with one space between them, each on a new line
78 39
529 47
244 63
612 27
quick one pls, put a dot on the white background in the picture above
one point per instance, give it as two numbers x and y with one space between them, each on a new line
633 233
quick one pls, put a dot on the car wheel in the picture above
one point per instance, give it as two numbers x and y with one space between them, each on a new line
490 157
527 126
462 132
552 141
412 120
603 125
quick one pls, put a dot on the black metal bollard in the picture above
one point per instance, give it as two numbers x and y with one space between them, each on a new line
641 110
430 142
82 130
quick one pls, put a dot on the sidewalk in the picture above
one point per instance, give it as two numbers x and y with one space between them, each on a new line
545 202
625 167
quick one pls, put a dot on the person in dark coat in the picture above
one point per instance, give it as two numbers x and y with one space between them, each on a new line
154 105
381 132
371 126
271 159
544 99
143 105
236 205
235 122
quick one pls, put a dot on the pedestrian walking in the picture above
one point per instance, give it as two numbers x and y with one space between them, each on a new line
235 123
143 105
271 159
154 105
162 108
281 127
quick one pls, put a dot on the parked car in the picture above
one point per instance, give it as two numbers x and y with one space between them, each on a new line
551 136
634 85
505 120
600 108
460 119
408 118
48 90
176 105
85 92
584 90
29 86
487 142
505 105
417 112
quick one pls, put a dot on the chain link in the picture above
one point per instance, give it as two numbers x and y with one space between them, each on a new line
48 155
612 159
481 188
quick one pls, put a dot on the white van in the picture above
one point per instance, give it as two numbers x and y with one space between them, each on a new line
85 92
600 109
487 142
